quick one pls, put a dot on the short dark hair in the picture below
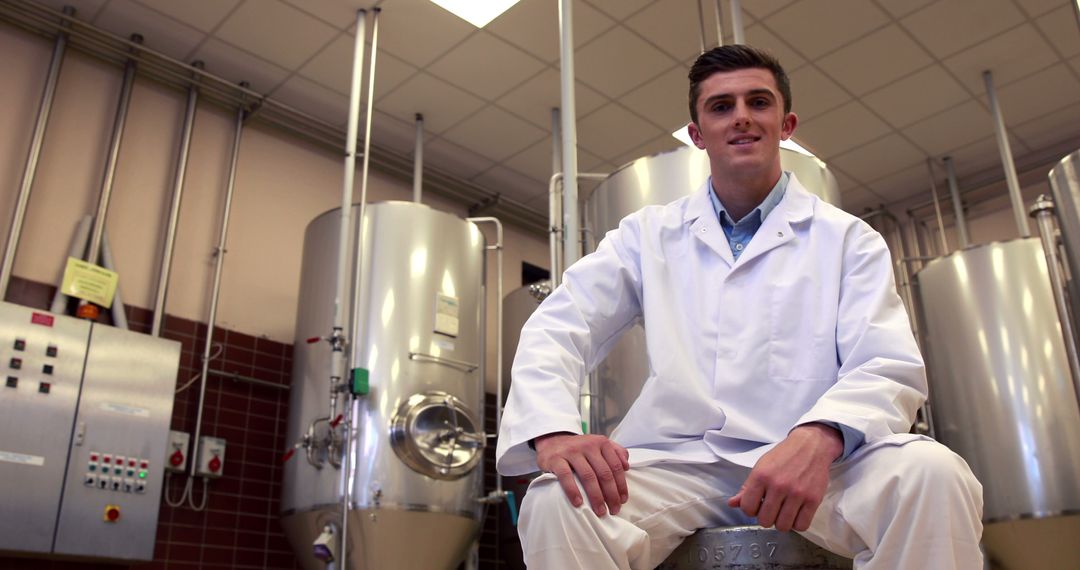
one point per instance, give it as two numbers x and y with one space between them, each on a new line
731 58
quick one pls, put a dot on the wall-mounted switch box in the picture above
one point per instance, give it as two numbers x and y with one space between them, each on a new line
176 454
211 457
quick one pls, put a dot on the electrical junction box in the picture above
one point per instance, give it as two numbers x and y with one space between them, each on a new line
211 457
176 453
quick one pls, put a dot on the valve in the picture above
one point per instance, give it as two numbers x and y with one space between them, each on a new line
325 545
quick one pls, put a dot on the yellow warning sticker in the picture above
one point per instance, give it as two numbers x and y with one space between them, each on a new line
89 282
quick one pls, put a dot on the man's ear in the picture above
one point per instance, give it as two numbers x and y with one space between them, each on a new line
695 135
791 120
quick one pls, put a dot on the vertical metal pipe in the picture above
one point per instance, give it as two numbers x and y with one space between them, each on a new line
736 21
937 205
44 111
719 24
1006 157
215 292
94 251
418 160
498 326
174 207
958 204
555 199
1043 212
701 25
571 233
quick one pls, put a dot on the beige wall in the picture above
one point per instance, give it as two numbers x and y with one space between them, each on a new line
281 184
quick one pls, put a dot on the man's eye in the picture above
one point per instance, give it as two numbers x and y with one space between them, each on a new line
721 107
760 103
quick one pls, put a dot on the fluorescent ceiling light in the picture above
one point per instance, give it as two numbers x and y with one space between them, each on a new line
476 12
682 134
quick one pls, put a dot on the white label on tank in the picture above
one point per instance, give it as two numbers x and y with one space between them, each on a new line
446 314
443 344
125 409
12 457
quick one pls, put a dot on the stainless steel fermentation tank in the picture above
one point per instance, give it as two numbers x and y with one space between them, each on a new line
653 180
1000 388
1065 184
413 469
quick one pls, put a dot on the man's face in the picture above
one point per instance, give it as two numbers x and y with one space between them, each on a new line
741 122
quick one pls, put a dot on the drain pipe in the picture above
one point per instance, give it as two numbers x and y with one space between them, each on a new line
1006 157
93 252
418 160
44 111
555 200
174 207
569 135
498 248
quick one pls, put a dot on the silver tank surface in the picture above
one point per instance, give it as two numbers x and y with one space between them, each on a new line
415 465
1065 184
655 180
1000 391
751 548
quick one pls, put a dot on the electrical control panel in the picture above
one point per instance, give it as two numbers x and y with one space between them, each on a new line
84 419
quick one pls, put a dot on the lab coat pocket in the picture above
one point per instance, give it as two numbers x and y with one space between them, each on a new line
802 339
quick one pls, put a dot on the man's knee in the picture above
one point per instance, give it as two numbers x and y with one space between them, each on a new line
929 465
545 501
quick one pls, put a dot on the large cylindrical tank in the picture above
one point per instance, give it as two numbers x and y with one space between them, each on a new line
1065 185
415 465
653 180
1000 389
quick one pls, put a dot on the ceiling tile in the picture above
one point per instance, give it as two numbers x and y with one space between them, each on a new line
1038 7
509 183
533 25
284 35
612 130
875 60
1037 94
844 181
852 19
812 93
442 104
663 101
535 161
674 27
338 13
315 99
535 99
1060 27
662 143
760 37
822 136
85 10
952 128
947 27
392 133
903 184
905 101
1000 55
494 133
858 200
236 65
203 15
759 8
879 158
589 162
618 61
1046 131
418 31
159 32
978 156
899 8
454 159
539 203
332 67
485 66
619 9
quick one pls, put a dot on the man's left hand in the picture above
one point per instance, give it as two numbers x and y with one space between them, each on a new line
788 483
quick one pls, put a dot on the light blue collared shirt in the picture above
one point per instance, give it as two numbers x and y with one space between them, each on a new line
739 233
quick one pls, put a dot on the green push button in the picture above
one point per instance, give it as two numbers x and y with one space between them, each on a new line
360 386
142 474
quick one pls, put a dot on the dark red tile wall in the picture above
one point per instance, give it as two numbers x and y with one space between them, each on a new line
240 527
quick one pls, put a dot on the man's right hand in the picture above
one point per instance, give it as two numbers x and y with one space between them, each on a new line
599 463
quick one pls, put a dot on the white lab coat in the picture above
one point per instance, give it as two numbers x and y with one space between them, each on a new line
805 326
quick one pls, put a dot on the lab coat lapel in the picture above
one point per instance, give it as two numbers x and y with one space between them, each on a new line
776 230
705 226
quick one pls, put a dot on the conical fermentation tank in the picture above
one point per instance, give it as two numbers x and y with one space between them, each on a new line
1000 386
413 470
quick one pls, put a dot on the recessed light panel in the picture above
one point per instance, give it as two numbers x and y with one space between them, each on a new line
476 12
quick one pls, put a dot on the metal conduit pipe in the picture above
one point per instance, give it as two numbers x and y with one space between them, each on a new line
36 141
119 317
569 133
1043 212
418 160
556 214
937 204
174 208
1006 157
351 403
719 24
93 252
701 24
736 21
498 247
554 201
77 249
219 263
958 205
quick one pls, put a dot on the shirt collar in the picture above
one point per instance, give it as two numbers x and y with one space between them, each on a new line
761 211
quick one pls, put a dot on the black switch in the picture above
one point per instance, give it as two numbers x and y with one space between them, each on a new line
51 351
47 369
16 363
12 382
20 344
44 387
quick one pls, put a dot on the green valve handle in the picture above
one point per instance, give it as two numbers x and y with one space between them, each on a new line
360 385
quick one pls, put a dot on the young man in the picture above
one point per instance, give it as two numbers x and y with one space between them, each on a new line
784 375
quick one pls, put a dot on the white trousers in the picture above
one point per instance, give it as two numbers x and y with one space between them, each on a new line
913 506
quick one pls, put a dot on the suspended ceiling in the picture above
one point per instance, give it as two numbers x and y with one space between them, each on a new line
879 85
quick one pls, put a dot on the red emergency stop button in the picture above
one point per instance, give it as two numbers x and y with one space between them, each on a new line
215 464
176 459
112 513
